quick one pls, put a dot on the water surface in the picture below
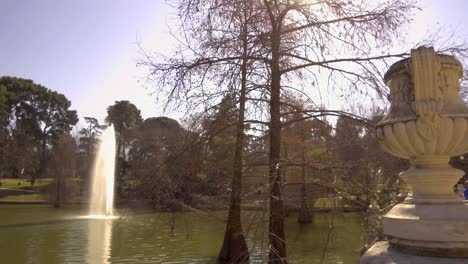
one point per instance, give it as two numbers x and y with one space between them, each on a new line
40 234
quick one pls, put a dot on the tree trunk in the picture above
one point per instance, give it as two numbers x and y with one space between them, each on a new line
57 202
276 228
234 249
305 215
42 161
118 166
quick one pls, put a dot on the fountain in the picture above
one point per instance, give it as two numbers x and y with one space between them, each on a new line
427 123
102 180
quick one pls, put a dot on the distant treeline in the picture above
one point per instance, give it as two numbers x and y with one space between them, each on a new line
172 165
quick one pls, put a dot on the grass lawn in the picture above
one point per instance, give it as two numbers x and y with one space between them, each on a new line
13 183
327 203
34 197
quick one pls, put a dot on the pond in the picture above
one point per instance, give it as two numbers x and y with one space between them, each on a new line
40 234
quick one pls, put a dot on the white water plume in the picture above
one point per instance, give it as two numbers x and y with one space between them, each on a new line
102 179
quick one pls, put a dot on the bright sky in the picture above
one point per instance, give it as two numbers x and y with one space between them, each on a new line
88 49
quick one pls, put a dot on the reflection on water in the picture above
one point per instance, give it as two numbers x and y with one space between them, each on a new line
99 241
32 234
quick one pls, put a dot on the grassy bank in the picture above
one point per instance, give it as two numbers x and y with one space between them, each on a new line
24 184
21 190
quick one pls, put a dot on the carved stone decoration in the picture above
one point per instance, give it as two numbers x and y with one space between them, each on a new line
427 123
428 95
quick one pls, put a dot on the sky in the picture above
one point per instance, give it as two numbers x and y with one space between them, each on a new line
84 49
88 49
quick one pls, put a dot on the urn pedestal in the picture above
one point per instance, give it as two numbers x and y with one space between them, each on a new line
427 123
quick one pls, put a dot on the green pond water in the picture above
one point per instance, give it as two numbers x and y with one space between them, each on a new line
40 234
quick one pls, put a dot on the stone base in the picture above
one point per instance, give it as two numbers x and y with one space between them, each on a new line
429 229
381 253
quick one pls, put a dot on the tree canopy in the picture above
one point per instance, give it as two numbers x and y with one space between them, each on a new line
35 115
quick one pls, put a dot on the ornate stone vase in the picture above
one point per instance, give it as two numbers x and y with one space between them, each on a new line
427 123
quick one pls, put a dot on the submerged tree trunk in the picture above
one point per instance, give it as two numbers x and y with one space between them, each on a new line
234 249
305 215
57 202
276 220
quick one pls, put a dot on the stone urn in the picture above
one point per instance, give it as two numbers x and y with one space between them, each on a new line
427 123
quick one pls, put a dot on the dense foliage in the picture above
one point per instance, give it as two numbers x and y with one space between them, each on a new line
33 118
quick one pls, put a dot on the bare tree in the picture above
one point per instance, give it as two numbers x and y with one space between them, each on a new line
215 60
337 44
334 36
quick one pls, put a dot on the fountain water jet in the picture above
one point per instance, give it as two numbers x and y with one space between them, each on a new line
102 180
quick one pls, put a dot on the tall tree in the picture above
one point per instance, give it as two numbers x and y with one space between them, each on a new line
89 135
219 134
63 168
4 120
327 35
161 168
125 116
305 139
86 148
234 248
295 39
351 151
368 174
39 113
215 61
